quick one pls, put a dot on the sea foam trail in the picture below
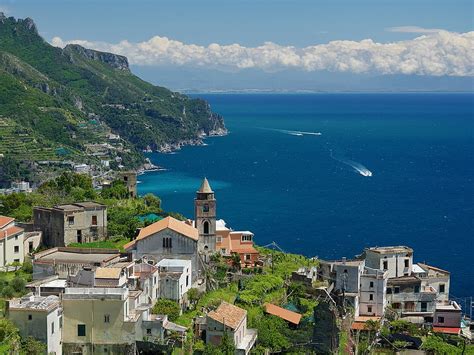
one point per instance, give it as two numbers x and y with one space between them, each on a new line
293 133
358 167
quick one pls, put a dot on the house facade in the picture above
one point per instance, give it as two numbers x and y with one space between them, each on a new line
175 277
11 242
233 320
168 238
79 222
397 260
41 318
373 289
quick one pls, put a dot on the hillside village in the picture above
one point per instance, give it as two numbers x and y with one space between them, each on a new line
181 285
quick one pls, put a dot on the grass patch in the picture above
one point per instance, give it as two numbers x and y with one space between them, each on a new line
104 244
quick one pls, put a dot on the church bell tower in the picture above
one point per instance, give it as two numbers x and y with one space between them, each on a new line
205 219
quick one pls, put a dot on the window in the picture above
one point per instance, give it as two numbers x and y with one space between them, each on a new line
369 309
417 289
397 289
154 280
205 208
30 247
248 257
407 262
30 317
246 238
219 239
70 220
442 288
167 243
389 290
371 297
371 284
16 237
385 265
106 318
424 306
206 227
440 319
94 220
16 249
52 327
16 260
81 330
187 280
60 322
148 331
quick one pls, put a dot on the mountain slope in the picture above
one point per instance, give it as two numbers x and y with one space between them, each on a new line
70 98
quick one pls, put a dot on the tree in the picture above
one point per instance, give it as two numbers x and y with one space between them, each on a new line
168 307
271 331
116 190
18 284
9 336
193 295
8 291
227 344
152 201
32 346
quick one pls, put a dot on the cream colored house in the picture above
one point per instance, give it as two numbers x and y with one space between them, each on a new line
98 321
11 242
39 317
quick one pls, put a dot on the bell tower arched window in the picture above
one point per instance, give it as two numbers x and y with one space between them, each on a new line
206 227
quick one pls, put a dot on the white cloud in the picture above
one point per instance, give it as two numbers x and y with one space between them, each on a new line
435 53
413 29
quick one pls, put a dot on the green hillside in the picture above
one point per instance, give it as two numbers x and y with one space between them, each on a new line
55 103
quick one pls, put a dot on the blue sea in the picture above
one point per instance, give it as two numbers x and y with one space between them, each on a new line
295 169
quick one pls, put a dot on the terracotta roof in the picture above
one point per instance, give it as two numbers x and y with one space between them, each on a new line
108 273
168 222
358 326
205 187
228 314
446 330
283 313
4 220
10 231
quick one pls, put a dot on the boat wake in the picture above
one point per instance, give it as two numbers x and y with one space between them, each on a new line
294 133
357 167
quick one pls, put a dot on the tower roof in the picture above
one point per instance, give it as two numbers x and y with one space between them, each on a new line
205 187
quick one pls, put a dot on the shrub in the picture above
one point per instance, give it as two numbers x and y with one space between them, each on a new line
18 284
168 307
8 291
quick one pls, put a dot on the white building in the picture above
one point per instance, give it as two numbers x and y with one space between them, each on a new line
231 319
11 242
373 288
397 260
40 318
175 278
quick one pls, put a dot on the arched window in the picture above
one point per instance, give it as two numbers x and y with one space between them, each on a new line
206 227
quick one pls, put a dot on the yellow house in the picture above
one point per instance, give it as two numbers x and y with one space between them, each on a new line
99 321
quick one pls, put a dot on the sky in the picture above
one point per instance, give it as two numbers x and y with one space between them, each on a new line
272 44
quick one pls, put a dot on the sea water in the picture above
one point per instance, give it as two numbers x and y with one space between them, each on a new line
330 174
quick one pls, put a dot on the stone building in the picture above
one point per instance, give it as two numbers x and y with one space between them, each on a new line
168 238
233 320
435 277
175 279
129 178
410 299
205 219
39 317
79 222
397 260
373 288
11 242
